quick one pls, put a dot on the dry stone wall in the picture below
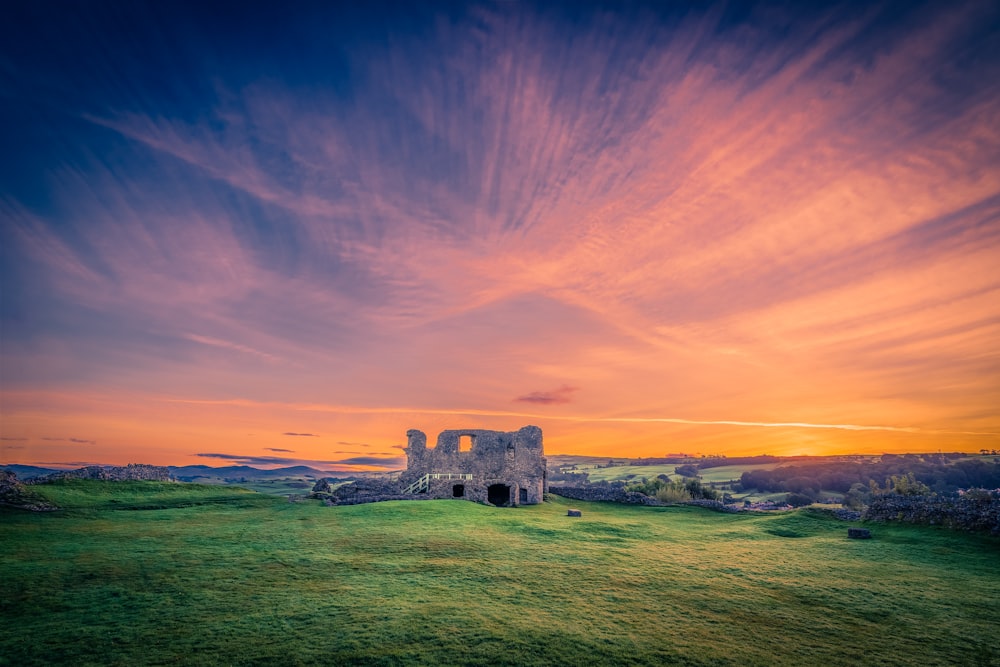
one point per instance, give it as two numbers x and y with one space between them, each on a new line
362 491
608 494
975 511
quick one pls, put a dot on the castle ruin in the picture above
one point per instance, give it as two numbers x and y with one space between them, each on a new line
505 469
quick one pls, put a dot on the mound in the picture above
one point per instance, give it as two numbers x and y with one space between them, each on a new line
14 494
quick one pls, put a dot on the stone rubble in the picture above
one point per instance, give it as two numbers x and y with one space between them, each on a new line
14 494
129 473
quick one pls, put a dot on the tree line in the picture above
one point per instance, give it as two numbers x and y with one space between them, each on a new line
936 473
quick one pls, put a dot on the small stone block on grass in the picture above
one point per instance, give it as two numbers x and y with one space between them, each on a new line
859 533
572 512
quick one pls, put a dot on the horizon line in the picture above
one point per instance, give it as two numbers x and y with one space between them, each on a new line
67 467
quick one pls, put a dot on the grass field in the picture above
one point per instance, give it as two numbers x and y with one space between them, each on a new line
155 574
727 473
625 473
282 486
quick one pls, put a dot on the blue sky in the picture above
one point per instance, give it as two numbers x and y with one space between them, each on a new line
739 227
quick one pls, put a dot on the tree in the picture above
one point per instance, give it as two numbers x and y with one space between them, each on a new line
696 490
673 492
799 484
857 497
798 500
907 485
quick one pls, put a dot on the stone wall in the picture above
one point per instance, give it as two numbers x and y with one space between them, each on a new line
846 514
497 467
374 491
14 494
362 491
11 490
608 494
617 494
714 505
128 473
976 511
507 468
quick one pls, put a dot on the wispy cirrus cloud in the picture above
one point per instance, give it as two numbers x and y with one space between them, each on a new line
208 340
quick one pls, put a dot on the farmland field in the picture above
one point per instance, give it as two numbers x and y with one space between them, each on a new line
157 573
727 473
625 473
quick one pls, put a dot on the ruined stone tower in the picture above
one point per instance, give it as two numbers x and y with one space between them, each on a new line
496 467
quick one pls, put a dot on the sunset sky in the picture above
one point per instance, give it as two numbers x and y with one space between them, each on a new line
281 234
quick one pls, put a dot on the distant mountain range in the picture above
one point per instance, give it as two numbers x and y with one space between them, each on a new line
27 472
202 472
199 472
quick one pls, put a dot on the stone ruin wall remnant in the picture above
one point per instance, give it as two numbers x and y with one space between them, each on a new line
506 468
132 472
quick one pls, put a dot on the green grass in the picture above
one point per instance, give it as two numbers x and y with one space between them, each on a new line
625 473
77 495
282 486
727 473
252 579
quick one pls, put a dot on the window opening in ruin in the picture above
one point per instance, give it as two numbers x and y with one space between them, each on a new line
523 496
458 491
465 442
498 494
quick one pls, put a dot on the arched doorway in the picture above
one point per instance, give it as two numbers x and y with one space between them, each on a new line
498 494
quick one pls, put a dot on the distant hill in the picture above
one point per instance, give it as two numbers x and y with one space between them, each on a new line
29 472
248 473
199 472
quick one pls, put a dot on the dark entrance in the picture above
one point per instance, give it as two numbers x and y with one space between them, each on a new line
523 496
458 491
498 494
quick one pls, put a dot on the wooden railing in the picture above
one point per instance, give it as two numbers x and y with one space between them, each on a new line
423 484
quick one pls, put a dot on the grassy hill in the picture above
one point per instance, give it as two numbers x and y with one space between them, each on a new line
626 473
147 573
